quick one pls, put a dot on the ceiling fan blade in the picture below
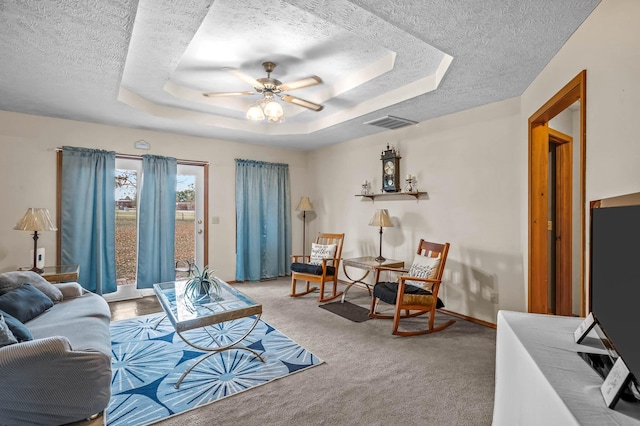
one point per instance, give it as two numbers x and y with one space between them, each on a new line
246 78
302 102
299 84
219 94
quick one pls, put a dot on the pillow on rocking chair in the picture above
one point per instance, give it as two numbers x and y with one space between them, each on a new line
307 268
321 251
314 267
423 267
388 292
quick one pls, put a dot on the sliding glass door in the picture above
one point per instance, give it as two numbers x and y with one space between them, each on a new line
190 221
190 216
128 173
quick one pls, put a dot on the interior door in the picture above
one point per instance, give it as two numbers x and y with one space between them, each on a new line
538 219
562 204
550 222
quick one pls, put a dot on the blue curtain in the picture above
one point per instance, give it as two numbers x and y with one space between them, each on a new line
157 221
88 216
263 217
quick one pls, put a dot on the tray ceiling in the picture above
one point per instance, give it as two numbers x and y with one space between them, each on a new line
145 64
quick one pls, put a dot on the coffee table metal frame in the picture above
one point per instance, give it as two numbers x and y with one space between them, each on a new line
368 264
185 314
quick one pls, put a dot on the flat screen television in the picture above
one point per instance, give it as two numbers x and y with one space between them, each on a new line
615 280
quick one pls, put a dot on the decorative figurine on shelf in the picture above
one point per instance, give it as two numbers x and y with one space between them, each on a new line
366 188
410 180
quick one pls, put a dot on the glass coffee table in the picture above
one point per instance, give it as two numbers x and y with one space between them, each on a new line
186 314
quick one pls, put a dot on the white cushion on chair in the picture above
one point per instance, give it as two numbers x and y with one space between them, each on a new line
321 251
423 267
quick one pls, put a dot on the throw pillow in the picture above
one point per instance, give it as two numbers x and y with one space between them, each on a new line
423 267
18 329
306 268
25 303
15 279
70 290
6 336
321 251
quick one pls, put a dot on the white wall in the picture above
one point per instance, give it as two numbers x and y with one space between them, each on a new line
606 45
466 163
28 171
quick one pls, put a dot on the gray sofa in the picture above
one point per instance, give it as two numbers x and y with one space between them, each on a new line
64 373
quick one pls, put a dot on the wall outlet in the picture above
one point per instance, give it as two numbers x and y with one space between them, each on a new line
39 258
215 220
494 297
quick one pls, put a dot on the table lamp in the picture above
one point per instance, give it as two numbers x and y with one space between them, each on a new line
35 219
381 218
304 206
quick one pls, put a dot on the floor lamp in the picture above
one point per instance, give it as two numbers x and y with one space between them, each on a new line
381 218
35 220
304 206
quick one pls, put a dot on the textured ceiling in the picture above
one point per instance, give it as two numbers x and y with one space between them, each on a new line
143 64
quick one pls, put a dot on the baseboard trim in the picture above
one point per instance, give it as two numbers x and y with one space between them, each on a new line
467 318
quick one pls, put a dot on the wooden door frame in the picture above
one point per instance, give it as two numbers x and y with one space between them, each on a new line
575 90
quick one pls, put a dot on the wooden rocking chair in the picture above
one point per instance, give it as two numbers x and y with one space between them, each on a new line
322 266
409 293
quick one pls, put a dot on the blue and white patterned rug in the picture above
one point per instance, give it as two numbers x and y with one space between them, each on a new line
147 363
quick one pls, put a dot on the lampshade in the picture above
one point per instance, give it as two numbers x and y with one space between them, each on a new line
255 113
273 110
35 219
304 205
381 218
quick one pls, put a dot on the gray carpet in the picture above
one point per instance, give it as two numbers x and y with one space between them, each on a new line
369 377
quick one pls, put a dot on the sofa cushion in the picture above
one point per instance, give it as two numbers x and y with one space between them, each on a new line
25 302
15 279
70 290
83 320
6 336
18 329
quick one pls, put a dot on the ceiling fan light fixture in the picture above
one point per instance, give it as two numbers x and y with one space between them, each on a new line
255 113
265 100
270 89
273 110
275 119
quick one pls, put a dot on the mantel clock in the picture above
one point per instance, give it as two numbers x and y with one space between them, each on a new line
390 170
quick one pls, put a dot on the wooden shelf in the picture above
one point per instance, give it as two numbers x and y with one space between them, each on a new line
372 197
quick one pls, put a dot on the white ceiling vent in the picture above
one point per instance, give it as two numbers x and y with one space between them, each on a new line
391 122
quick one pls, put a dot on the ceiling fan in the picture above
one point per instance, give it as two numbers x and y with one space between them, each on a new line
269 88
